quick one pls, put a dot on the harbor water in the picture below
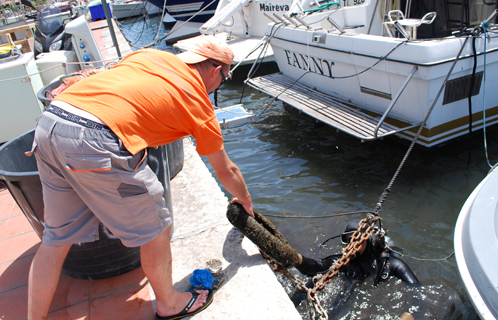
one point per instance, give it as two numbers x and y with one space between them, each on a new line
301 175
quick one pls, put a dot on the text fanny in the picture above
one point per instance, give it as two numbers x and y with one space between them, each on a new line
309 63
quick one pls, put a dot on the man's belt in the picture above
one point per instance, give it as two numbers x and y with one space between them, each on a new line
77 119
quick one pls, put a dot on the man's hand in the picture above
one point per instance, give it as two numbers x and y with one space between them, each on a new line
247 208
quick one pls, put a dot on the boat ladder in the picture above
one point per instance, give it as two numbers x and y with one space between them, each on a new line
333 111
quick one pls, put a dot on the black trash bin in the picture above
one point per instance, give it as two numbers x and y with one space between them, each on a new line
45 93
104 258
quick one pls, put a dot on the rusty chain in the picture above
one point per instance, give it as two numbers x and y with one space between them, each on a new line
321 280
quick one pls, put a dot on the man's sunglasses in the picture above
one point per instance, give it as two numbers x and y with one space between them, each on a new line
223 78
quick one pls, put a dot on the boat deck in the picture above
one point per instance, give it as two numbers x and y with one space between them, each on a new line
324 108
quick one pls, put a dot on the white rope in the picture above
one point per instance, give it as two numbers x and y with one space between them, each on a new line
160 23
53 67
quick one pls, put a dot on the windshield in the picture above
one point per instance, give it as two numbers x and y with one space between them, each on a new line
49 19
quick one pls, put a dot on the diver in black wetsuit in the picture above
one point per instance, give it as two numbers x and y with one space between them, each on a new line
371 259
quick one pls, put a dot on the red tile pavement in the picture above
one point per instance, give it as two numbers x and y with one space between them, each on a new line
3 227
69 292
16 225
6 207
5 197
131 303
13 304
78 311
14 274
102 287
123 297
18 246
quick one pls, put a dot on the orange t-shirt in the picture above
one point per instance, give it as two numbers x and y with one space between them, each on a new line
149 99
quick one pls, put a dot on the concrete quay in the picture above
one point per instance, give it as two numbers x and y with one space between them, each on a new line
249 289
202 234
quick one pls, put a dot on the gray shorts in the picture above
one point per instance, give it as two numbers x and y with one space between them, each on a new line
88 175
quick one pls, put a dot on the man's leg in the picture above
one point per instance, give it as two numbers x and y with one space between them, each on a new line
44 278
157 265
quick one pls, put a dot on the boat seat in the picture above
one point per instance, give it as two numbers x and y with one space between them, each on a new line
410 25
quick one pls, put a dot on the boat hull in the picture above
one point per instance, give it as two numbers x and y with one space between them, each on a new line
188 10
242 24
369 71
127 10
476 244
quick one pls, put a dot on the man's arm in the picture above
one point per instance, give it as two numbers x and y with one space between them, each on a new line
231 178
311 267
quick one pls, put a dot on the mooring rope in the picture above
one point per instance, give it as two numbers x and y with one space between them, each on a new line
316 217
172 31
160 23
266 42
419 259
422 125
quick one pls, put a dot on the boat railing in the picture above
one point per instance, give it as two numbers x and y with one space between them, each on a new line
393 102
335 24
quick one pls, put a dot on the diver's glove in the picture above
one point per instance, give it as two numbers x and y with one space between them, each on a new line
311 267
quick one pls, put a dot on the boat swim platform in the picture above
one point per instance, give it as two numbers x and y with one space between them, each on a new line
332 111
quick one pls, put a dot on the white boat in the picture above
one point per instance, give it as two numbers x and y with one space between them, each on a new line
126 9
363 69
476 245
186 16
152 9
242 24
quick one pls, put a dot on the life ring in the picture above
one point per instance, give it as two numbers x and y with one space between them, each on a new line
263 234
